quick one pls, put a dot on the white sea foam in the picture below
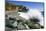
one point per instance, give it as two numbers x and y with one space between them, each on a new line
32 13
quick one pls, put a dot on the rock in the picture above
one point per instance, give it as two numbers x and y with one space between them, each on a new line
20 26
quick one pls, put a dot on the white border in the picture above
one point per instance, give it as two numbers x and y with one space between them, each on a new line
2 15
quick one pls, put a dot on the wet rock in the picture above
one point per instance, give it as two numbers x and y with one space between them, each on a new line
20 26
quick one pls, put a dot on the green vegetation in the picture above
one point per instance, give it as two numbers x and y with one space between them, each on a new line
9 6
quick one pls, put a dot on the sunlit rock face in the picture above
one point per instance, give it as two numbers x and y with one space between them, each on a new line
32 13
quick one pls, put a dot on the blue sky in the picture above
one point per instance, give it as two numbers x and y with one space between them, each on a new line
32 5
